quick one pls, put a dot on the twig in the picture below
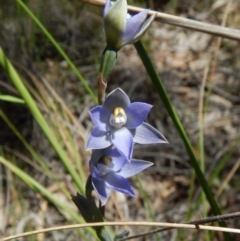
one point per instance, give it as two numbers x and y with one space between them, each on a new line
196 222
192 225
183 22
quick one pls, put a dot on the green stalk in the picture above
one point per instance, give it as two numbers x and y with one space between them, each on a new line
166 101
11 98
215 173
58 47
14 77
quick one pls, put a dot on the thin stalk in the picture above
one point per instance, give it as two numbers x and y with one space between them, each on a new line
166 101
201 143
214 175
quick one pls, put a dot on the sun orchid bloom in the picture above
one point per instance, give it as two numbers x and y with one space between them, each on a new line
121 123
109 170
120 27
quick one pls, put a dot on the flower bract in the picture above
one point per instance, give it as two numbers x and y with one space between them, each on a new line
121 123
120 28
109 170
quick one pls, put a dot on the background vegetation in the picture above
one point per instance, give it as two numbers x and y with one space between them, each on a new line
43 155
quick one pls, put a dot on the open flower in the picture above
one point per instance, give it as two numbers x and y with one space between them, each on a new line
120 28
109 170
120 123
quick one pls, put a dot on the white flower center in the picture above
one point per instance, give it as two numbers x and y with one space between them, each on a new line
105 165
118 118
128 16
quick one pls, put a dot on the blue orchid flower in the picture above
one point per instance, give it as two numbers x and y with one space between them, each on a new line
121 123
120 27
109 170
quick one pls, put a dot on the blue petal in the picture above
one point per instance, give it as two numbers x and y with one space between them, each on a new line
101 189
144 28
118 183
107 7
97 154
94 171
98 139
123 140
147 134
136 113
134 167
118 160
117 98
100 117
134 25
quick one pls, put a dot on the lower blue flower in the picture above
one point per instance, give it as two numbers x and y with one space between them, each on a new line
109 171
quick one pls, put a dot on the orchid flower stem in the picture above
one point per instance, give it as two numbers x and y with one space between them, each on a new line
108 60
166 101
101 89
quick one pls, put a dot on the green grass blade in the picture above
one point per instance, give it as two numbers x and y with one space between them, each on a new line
24 142
14 77
44 168
215 174
12 99
58 47
166 101
34 185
